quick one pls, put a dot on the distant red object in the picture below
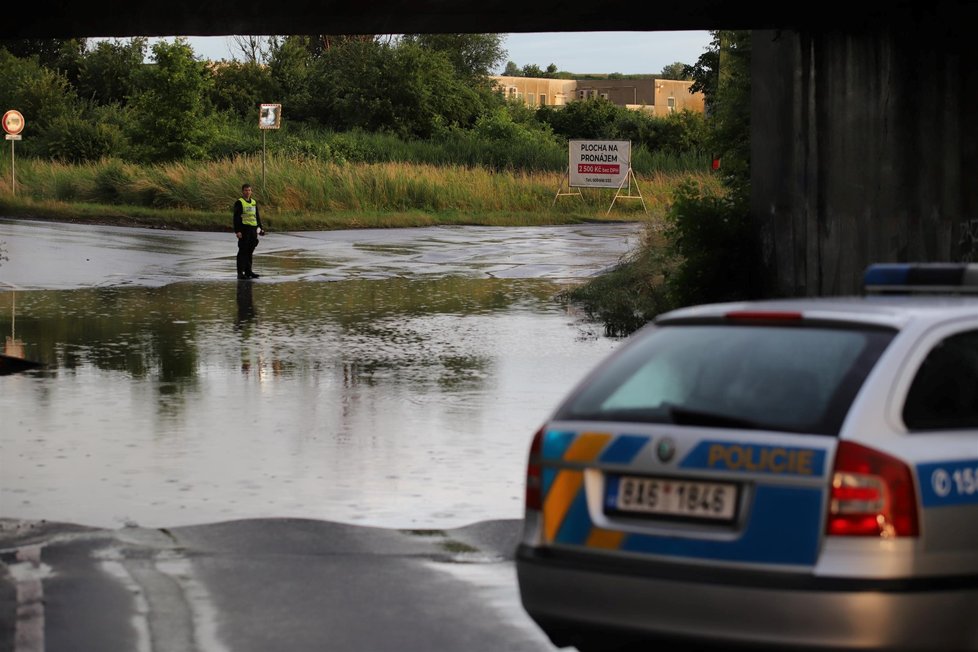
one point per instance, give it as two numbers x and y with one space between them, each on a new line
716 163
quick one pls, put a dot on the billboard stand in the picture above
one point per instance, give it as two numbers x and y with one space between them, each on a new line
561 186
630 177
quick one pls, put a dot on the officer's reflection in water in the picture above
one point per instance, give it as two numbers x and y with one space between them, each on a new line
246 304
246 317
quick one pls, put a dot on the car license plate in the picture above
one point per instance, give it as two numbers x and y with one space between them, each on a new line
669 497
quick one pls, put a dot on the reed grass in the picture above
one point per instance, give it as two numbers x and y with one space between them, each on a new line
305 193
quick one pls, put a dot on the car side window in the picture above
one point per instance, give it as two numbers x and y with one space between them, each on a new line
944 393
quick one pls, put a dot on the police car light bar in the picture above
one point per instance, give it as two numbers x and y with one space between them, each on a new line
933 278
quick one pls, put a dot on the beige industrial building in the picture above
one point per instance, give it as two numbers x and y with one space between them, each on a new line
656 96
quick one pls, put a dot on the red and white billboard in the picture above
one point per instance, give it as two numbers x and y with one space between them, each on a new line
598 163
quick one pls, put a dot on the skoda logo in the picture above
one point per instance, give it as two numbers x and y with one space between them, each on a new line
666 449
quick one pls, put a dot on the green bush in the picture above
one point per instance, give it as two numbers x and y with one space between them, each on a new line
73 139
682 131
240 87
633 292
711 236
591 118
704 255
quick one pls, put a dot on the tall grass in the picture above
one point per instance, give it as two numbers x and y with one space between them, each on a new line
453 147
306 189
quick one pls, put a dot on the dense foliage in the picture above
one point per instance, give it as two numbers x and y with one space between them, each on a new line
428 97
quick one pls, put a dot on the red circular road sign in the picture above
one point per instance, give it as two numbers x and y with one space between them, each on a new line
13 122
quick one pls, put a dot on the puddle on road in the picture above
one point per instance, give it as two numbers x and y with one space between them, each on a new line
404 403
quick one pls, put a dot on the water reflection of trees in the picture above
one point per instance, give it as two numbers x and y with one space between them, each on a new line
360 329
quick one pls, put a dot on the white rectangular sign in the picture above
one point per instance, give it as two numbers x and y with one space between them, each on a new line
270 116
598 163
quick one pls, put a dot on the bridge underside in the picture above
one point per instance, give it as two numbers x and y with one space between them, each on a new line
120 18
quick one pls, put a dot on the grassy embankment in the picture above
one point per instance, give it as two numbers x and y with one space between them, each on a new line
301 195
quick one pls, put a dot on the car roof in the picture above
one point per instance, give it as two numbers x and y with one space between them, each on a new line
895 311
897 294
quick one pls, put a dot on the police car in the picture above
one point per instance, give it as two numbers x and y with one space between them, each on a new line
784 473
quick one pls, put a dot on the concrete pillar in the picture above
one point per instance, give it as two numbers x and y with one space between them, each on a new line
863 149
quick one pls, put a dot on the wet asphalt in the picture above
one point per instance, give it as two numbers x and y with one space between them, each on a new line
261 585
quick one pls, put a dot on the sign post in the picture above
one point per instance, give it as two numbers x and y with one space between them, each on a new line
13 124
269 117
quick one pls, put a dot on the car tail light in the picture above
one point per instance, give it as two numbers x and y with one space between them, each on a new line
872 495
534 499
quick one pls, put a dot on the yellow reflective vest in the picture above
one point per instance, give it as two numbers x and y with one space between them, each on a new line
249 211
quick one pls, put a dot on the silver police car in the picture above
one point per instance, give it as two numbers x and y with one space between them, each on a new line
784 473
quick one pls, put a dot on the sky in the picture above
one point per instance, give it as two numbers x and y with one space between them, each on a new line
577 52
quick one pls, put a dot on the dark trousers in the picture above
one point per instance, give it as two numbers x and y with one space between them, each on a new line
246 247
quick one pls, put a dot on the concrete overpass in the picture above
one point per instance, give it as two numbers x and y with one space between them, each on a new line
70 18
864 113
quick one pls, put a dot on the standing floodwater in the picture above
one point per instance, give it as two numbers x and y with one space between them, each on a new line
389 378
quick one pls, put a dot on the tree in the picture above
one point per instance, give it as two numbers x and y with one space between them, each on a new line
240 86
512 70
474 56
533 70
324 42
402 88
173 117
290 61
52 53
39 93
82 136
704 71
677 70
108 72
590 118
722 74
712 236
733 109
253 49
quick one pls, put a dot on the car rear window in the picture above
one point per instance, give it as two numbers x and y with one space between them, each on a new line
786 378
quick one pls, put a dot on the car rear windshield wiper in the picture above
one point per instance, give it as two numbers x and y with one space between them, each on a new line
685 417
667 413
638 415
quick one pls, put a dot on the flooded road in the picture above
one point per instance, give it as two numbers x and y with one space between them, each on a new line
380 377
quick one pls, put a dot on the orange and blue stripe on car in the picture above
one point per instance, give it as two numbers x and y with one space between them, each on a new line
565 504
783 525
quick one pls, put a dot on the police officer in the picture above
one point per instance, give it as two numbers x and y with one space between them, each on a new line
247 227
